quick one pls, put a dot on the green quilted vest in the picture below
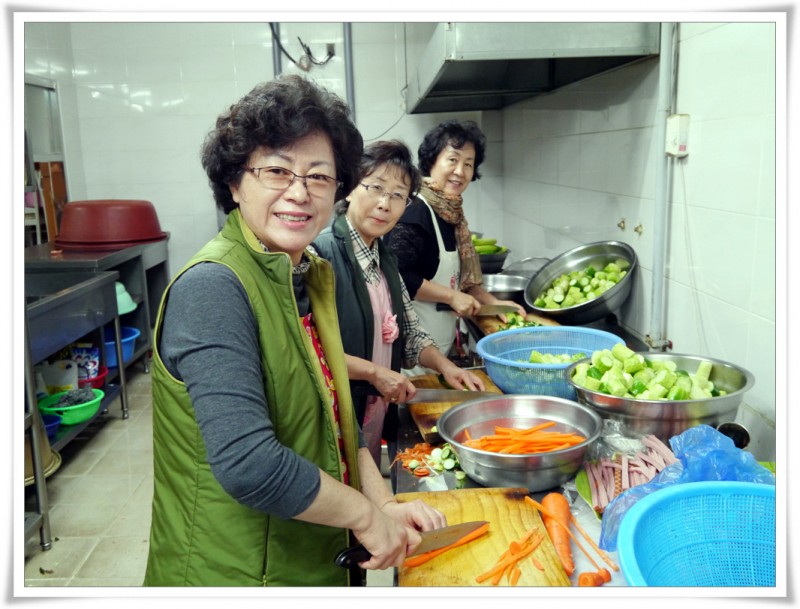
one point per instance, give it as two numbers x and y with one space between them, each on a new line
200 536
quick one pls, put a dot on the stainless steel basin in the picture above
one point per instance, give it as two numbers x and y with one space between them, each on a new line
62 307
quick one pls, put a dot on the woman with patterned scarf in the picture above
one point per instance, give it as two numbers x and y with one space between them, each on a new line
437 259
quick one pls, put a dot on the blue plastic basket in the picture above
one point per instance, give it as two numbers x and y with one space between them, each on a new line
715 533
506 354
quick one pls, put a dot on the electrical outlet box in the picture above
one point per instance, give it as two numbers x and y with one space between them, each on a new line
677 143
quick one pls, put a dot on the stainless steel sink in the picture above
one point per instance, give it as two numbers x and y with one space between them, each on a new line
62 307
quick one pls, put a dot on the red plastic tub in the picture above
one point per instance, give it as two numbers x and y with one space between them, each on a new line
96 382
105 222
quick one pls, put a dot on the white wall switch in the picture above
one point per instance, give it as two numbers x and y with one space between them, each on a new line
677 135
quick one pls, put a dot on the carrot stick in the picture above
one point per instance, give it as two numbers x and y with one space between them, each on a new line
595 547
529 440
414 561
537 564
509 559
556 521
603 573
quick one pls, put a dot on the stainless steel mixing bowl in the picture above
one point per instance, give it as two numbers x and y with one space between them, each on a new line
537 472
668 418
577 259
506 287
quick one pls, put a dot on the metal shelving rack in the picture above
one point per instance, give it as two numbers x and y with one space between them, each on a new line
62 308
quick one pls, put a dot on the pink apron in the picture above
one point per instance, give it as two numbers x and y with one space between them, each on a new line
375 412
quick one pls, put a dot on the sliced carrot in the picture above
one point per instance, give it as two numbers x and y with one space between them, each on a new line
530 440
605 575
414 561
509 559
418 452
499 575
537 564
514 576
590 578
595 547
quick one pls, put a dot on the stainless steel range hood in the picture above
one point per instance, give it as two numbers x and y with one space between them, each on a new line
487 66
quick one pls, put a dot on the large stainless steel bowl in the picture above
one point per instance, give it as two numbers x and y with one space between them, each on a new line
537 472
577 259
668 418
506 287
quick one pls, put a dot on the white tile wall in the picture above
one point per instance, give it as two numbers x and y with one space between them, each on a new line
561 169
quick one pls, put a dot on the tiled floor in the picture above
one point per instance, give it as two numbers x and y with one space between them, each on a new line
100 502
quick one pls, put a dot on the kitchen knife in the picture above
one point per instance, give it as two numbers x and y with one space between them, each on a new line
431 540
428 396
485 310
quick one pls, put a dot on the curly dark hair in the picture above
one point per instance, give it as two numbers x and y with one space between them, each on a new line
455 133
274 115
392 152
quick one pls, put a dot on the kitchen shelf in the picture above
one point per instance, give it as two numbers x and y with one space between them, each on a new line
62 308
143 269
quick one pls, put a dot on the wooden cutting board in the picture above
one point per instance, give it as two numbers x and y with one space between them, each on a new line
425 415
490 325
509 517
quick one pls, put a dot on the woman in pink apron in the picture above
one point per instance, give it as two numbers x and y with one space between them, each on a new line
380 329
432 241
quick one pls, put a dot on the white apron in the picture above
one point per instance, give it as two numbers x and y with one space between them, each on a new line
441 325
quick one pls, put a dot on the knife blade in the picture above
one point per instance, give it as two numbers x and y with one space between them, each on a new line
485 310
431 540
426 396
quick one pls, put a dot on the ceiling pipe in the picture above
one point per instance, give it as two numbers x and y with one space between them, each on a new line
348 69
277 68
657 338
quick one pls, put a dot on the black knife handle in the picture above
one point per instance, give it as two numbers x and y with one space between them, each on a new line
350 557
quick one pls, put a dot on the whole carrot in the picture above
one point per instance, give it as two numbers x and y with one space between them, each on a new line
558 509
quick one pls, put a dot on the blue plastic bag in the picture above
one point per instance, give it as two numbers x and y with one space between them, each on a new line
703 454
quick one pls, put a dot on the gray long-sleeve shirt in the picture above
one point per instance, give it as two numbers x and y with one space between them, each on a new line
209 340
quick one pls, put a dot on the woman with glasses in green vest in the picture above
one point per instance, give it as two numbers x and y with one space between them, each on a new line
261 473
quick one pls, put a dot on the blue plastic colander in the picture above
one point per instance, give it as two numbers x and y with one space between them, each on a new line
506 354
715 533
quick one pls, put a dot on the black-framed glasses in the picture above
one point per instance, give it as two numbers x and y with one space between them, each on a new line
379 192
280 178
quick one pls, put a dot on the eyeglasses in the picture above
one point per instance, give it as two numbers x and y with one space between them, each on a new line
379 192
280 178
